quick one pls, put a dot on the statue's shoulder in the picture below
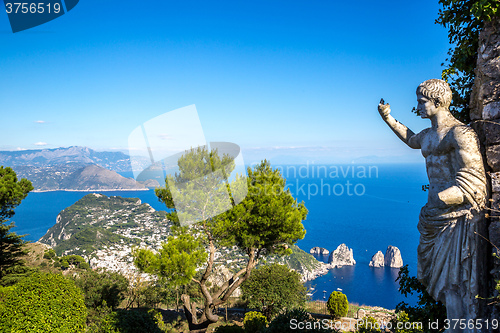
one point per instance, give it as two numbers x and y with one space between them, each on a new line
464 134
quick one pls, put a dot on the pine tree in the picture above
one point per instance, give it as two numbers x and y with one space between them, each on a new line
12 192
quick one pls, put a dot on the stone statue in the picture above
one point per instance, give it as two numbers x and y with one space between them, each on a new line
447 252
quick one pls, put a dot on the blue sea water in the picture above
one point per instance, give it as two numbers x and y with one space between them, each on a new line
367 207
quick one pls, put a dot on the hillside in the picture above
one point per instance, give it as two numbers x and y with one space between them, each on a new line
76 177
115 161
103 229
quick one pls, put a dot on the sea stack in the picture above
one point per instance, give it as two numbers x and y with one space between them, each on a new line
393 257
377 260
319 250
342 256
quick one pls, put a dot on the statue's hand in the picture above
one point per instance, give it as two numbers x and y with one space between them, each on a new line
384 109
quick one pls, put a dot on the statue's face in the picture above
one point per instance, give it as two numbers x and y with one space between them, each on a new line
425 107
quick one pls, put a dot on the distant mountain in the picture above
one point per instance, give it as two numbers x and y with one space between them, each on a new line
75 177
116 161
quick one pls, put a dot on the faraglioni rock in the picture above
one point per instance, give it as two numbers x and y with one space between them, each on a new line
319 250
377 260
342 256
393 257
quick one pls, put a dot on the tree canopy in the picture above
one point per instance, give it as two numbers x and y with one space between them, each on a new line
272 288
12 192
268 220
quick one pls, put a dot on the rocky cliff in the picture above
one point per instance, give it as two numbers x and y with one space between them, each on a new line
319 251
377 260
393 257
342 256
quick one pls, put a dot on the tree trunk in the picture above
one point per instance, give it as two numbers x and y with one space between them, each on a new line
485 111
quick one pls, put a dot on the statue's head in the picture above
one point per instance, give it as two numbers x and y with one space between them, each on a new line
436 90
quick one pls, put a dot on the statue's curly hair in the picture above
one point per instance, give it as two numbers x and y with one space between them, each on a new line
437 90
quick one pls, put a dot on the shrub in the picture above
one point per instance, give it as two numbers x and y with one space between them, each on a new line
229 329
337 304
43 302
283 323
102 287
254 322
368 325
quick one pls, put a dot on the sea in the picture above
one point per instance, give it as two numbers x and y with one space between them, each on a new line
366 207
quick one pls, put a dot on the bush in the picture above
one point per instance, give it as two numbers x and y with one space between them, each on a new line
254 322
337 304
126 321
102 287
283 323
272 288
402 324
42 302
229 329
368 325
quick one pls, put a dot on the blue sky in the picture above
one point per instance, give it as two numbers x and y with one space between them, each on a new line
287 80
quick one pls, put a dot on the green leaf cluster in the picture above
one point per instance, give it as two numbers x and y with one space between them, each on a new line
177 259
464 20
272 288
102 287
427 308
368 325
337 304
42 302
282 323
12 192
254 322
269 218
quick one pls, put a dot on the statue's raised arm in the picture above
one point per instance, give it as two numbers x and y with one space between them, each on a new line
403 132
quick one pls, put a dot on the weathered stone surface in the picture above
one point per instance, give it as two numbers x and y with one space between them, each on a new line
486 90
493 157
393 257
488 131
319 251
342 256
377 260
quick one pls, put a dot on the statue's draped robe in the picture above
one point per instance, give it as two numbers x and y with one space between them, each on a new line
448 244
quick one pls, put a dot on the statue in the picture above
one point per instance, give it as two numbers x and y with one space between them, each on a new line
447 252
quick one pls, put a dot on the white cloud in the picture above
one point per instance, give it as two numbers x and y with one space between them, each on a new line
40 121
40 143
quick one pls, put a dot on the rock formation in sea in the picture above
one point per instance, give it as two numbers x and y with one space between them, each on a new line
342 256
319 250
393 257
377 260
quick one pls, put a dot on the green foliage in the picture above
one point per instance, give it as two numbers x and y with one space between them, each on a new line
43 302
229 329
102 288
368 325
127 321
254 322
427 308
12 192
271 288
402 324
73 260
50 254
464 20
283 323
177 260
337 304
269 218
